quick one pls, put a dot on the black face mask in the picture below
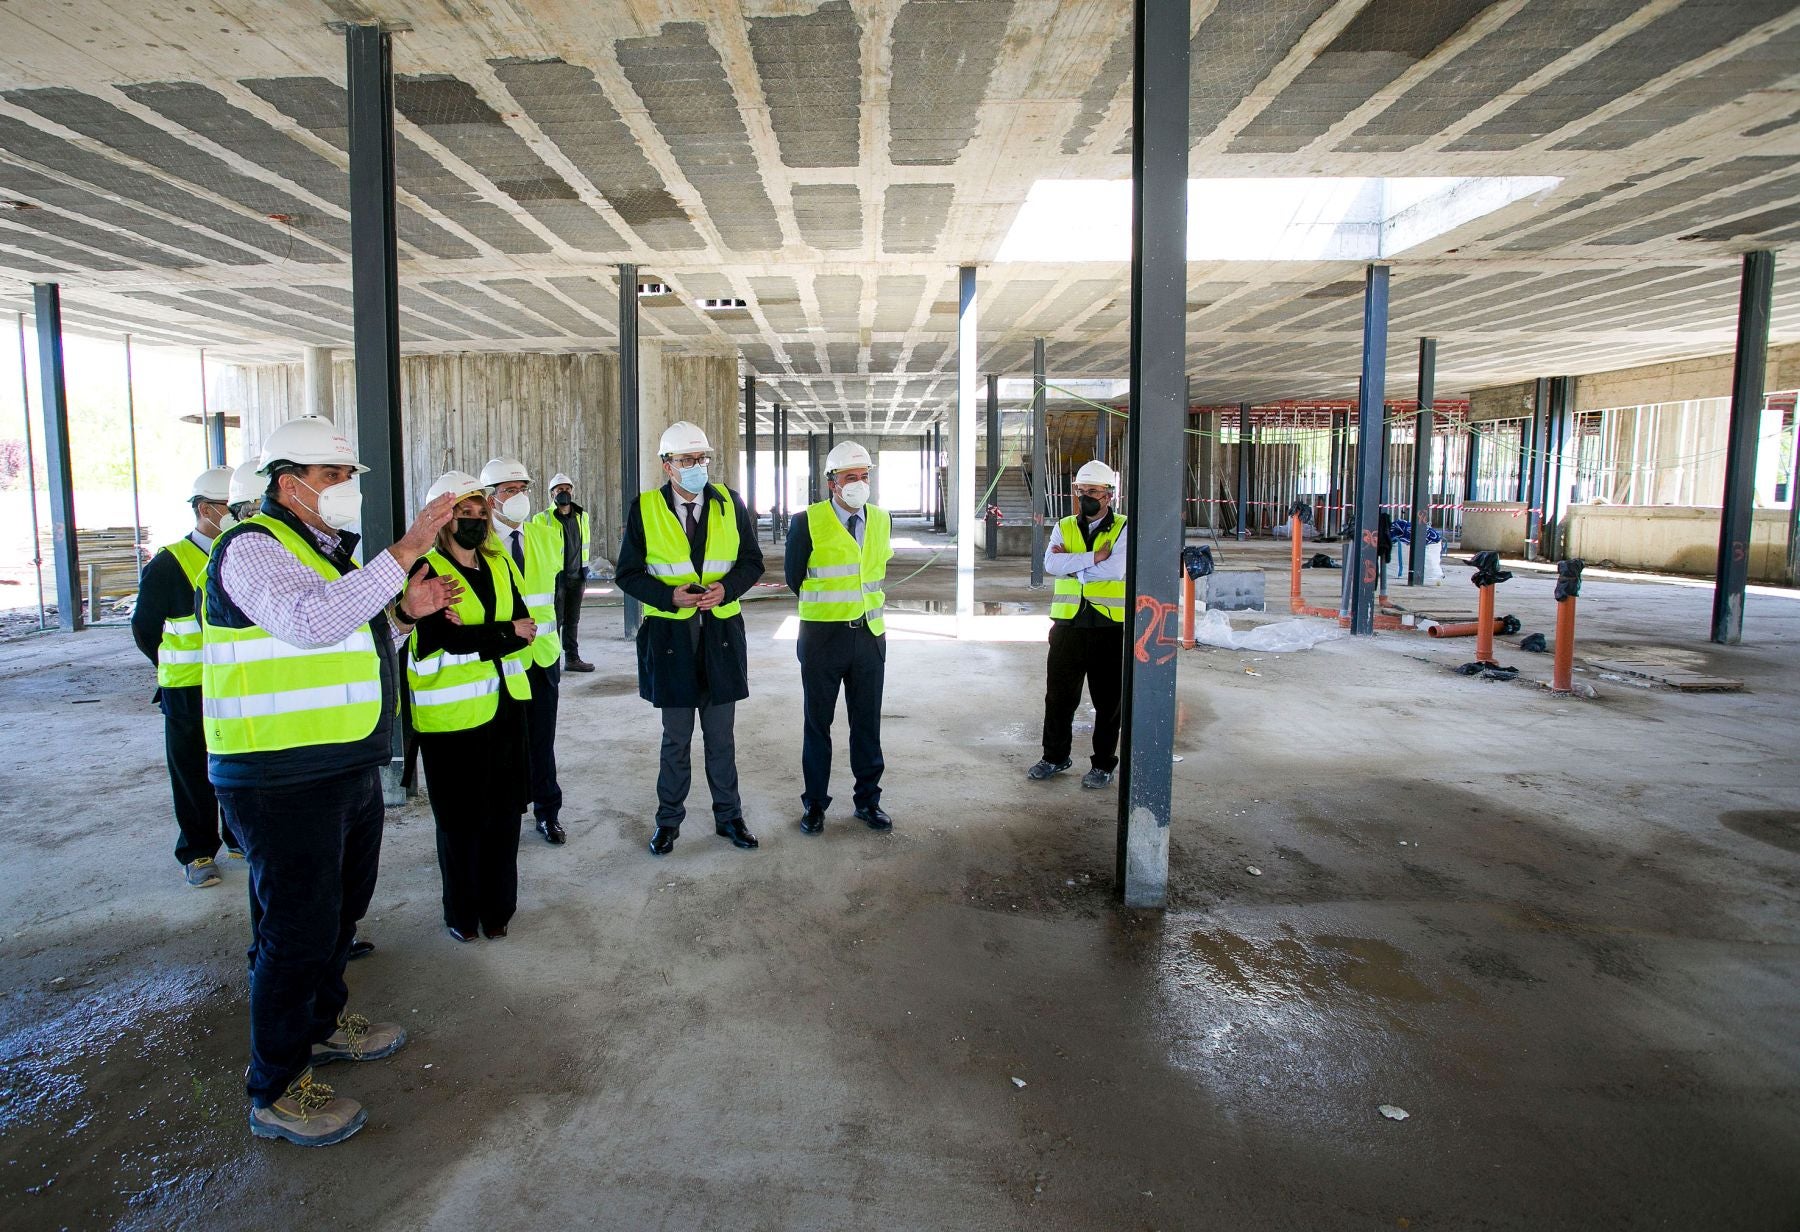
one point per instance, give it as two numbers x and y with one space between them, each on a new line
1090 506
564 498
470 532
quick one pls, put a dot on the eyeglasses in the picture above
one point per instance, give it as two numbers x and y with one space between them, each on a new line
691 459
1096 493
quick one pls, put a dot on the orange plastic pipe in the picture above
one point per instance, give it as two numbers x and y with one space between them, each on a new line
1562 668
1484 626
1295 604
1483 633
1187 610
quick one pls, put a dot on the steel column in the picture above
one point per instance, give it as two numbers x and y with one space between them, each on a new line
214 424
1556 439
1159 161
137 512
782 465
1422 432
37 551
814 492
1371 411
750 454
1532 454
938 520
629 480
374 283
964 487
1793 526
63 543
1243 471
990 500
1471 462
1755 290
1040 461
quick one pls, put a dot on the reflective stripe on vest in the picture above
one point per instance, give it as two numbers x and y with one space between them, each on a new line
668 556
842 581
543 545
178 657
454 692
1108 598
260 694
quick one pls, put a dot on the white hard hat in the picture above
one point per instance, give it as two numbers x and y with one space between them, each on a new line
846 455
456 483
1097 472
212 485
246 483
682 437
309 441
503 470
557 480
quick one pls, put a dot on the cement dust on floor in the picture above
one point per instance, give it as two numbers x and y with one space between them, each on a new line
1562 935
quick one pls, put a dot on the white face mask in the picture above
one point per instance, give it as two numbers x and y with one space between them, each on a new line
516 508
340 505
227 522
854 495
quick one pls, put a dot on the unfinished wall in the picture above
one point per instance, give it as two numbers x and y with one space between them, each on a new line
552 412
1673 539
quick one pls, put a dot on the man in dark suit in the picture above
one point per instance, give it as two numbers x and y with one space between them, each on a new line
688 554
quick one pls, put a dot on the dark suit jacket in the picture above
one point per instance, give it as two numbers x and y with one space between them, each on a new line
701 660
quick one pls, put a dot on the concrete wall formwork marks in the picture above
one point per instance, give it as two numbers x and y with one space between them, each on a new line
552 412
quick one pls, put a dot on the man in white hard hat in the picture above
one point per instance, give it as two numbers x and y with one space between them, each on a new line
837 556
168 632
688 553
245 493
1086 556
570 523
536 548
300 684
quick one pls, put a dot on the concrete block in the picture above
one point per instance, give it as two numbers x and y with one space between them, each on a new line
1236 590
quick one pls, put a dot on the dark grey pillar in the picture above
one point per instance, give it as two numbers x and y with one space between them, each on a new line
374 283
1366 524
1755 289
1423 427
1793 526
750 450
1243 471
1340 450
629 479
991 505
938 517
1040 462
1471 462
63 543
1532 459
782 467
815 489
1557 427
1159 160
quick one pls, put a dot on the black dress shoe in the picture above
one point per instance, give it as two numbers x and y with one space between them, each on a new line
577 665
552 831
663 841
813 821
876 817
361 949
494 934
734 830
459 934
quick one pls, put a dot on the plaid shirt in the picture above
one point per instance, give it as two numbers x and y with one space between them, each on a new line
290 601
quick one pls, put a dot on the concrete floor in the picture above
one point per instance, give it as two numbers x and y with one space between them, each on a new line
1563 935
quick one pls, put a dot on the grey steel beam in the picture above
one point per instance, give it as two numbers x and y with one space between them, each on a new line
1532 456
1471 462
815 491
938 520
1556 443
1371 411
782 464
1423 426
1243 471
629 479
991 502
1159 162
1040 462
1334 492
1756 288
964 486
750 452
55 395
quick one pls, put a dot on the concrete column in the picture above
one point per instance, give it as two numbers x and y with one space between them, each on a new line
318 398
963 440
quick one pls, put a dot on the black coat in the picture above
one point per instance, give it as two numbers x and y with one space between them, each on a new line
675 667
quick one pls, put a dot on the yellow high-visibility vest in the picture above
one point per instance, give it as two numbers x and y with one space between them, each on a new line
844 582
669 557
179 656
454 692
1107 598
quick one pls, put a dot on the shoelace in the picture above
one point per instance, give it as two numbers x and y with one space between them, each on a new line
309 1096
355 1027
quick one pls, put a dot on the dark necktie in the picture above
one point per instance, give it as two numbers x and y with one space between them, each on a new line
855 521
691 524
518 550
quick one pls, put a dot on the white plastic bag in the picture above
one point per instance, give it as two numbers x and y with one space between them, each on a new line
1214 629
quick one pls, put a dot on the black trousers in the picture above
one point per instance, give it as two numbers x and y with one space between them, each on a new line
674 776
314 850
1095 655
546 792
477 782
196 804
569 593
833 655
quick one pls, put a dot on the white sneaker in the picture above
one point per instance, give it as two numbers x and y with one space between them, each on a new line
308 1114
358 1039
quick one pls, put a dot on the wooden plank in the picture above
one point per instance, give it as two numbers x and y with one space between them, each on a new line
1662 673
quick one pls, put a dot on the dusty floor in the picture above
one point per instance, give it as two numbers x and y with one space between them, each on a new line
1563 935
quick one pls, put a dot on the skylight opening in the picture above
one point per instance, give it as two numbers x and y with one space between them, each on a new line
1316 218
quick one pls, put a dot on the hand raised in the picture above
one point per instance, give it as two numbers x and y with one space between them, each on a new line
422 534
428 595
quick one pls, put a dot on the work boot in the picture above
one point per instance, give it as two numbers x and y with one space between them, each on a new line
574 663
1096 779
308 1114
1048 769
358 1039
202 873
